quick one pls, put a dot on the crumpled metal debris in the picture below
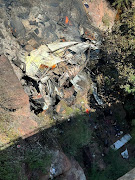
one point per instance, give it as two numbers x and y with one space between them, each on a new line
52 172
40 59
57 66
81 77
125 154
118 144
94 89
48 56
60 45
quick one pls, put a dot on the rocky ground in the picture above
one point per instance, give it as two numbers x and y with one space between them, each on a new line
67 96
26 26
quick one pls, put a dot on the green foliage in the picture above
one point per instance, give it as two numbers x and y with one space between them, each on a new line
38 159
76 135
128 75
120 49
133 131
97 175
9 166
130 106
121 4
116 167
133 122
12 162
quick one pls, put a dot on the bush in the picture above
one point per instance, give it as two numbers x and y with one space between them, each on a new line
76 134
9 166
12 162
116 167
133 131
38 160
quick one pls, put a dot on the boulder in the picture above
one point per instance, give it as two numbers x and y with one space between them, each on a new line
17 27
101 14
64 169
13 93
15 115
60 165
75 172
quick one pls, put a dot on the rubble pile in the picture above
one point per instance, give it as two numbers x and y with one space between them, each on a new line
51 47
58 72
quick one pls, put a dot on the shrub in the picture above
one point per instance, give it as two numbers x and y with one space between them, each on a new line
116 167
76 135
38 160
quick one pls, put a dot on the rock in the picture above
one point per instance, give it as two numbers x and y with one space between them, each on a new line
64 169
1 35
11 87
36 31
33 23
75 172
35 37
22 12
17 27
101 13
68 92
40 18
46 18
61 107
14 105
1 47
34 12
54 4
26 24
3 13
61 164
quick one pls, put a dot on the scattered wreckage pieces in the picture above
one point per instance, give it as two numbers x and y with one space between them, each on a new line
59 45
46 92
125 154
79 48
118 144
45 57
80 82
70 73
40 59
94 90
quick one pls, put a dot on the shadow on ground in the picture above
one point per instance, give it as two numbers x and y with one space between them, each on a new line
84 137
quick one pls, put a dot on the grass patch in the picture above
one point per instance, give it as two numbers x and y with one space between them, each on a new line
38 160
13 161
76 134
10 167
116 167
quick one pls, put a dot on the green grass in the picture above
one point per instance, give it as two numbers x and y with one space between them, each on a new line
9 166
12 161
116 167
76 135
38 160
